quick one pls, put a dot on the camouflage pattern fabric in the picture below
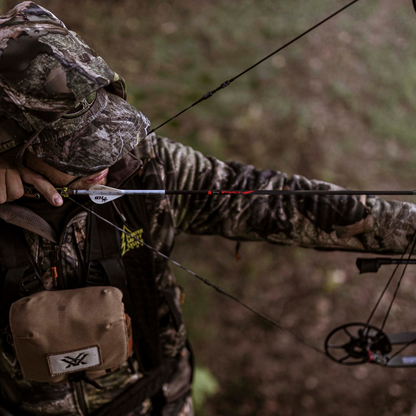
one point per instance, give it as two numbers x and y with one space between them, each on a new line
367 224
45 67
326 222
92 141
53 83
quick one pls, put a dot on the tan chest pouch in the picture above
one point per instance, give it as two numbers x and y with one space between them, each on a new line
57 334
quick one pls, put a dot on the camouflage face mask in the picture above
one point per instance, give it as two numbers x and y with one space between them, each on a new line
51 81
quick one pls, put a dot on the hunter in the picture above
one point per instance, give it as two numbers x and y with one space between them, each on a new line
65 121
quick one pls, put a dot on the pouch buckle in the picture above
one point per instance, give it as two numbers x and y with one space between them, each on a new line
31 283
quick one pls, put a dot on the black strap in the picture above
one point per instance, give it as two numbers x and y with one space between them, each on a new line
104 264
11 291
18 282
95 249
142 279
21 276
13 252
112 267
82 376
158 402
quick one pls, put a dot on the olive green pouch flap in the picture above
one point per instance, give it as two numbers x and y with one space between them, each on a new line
58 333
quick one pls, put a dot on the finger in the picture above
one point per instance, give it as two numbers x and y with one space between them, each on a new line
42 185
14 185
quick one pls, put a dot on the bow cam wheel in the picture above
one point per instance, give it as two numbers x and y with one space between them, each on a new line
356 343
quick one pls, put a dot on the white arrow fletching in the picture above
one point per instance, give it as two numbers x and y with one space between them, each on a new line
101 194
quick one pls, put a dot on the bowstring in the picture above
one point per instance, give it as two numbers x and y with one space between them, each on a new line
411 240
400 350
229 81
209 283
400 280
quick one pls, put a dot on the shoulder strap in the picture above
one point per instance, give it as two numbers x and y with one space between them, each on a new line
27 219
133 274
20 276
141 271
104 266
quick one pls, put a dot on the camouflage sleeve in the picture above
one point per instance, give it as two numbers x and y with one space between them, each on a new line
336 222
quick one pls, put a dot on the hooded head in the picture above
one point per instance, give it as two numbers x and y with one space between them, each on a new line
59 98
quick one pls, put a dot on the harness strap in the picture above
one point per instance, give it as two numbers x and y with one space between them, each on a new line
25 218
11 290
112 267
20 275
13 251
141 276
104 265
133 271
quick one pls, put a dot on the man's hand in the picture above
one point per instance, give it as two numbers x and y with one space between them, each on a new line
11 184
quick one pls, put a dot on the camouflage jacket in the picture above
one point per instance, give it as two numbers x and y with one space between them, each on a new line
337 223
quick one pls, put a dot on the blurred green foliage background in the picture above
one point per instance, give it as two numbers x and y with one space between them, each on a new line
338 105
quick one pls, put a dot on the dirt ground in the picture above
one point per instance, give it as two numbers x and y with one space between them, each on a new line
339 106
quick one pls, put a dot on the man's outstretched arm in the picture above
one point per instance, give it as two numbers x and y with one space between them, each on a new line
338 222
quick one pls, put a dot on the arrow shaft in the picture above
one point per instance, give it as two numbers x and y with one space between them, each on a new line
120 192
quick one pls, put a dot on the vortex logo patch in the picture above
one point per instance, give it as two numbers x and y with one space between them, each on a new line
73 361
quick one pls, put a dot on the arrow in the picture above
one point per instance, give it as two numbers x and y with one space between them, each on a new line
101 194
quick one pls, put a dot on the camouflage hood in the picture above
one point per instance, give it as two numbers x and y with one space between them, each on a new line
49 81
